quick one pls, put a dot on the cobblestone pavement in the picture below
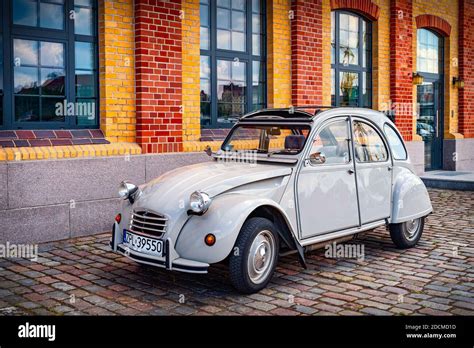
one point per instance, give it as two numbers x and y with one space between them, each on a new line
81 276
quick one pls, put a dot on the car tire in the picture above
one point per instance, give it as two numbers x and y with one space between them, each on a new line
254 257
406 234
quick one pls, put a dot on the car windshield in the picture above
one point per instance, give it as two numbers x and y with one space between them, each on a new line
267 139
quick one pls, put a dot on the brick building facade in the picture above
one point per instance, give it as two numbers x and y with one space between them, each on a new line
157 77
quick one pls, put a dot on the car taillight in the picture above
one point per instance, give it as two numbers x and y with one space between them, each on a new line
118 218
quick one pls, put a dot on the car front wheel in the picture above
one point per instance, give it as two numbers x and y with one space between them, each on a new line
407 234
255 255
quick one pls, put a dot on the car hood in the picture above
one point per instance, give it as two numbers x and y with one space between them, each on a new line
171 191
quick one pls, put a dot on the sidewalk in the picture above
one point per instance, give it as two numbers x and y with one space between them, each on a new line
450 180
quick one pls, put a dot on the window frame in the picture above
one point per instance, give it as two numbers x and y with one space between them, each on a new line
67 37
246 56
338 67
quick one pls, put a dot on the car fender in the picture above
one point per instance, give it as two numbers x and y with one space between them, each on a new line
224 219
410 197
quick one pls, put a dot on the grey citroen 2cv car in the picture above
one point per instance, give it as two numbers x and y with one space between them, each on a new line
284 180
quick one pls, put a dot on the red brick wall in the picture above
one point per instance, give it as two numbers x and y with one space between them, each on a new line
364 7
466 67
306 52
401 65
158 75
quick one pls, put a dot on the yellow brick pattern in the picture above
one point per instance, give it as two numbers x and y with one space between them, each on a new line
326 7
73 151
381 57
117 70
279 53
448 10
191 71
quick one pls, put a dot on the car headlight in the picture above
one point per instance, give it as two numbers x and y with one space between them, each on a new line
199 202
128 191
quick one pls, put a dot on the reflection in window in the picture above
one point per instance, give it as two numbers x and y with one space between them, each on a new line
39 80
57 66
45 14
396 143
351 78
428 48
232 59
83 21
332 142
205 94
85 81
368 145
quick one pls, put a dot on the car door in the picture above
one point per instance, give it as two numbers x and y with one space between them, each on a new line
373 171
326 186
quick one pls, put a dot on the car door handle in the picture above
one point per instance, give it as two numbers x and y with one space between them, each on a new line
389 168
351 171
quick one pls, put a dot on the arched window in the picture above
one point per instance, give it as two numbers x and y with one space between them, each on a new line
351 60
428 52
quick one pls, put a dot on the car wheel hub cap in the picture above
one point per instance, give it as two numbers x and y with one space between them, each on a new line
260 260
412 228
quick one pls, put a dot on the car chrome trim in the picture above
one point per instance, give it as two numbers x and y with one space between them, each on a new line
337 234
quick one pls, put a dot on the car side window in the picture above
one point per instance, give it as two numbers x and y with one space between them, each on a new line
396 143
368 145
331 144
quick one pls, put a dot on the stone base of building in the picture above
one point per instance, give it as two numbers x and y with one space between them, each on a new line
47 200
416 151
458 154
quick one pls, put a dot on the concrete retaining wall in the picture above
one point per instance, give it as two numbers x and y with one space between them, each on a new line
50 200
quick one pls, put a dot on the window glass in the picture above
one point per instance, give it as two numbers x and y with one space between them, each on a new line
396 143
39 80
332 143
351 63
368 145
224 25
85 76
205 93
428 44
54 78
231 90
39 13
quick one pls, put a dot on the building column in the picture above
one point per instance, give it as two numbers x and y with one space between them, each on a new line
306 52
158 47
401 65
279 53
117 70
466 68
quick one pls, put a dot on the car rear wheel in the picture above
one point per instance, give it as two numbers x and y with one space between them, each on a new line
255 255
407 234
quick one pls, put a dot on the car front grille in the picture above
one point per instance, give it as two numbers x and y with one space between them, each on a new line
149 223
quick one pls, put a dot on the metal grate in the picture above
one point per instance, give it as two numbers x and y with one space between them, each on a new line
148 222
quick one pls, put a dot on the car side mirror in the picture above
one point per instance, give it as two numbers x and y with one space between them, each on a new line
317 158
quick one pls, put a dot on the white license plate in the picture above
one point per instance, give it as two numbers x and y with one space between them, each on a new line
143 244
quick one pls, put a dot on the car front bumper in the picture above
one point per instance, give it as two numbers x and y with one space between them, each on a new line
170 260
